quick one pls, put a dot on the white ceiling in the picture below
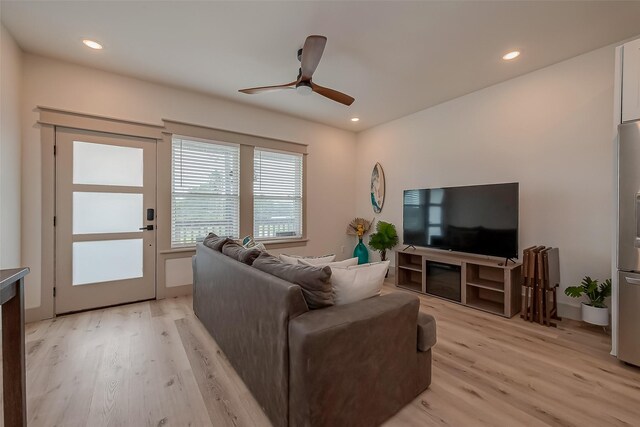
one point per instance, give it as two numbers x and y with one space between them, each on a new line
394 57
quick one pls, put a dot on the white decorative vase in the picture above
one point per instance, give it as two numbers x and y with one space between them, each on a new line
595 315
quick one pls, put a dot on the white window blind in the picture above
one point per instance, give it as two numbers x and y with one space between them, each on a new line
205 185
277 195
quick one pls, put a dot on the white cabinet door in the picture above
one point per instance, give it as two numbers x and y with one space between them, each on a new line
631 81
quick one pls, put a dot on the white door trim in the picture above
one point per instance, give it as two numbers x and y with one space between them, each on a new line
47 123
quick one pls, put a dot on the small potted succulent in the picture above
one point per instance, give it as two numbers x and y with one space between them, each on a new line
595 311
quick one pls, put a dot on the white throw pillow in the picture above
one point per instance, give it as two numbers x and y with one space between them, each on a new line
259 246
318 260
351 284
346 263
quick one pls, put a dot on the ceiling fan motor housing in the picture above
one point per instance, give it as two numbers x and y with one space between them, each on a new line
304 88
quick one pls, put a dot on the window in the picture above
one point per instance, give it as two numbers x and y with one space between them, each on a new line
277 194
205 187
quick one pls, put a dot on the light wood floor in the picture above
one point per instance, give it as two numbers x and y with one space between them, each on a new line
153 364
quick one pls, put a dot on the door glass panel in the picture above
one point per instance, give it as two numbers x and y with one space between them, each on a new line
106 260
106 212
101 164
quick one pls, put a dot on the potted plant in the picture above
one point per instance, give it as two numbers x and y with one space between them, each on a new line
384 238
595 311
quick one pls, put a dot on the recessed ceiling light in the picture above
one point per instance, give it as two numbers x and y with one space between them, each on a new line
511 55
92 44
355 119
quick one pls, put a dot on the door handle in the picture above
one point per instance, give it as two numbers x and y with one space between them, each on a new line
147 228
632 281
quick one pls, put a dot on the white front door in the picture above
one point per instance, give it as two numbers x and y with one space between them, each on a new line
105 219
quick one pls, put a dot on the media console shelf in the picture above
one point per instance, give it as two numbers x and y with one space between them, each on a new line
473 281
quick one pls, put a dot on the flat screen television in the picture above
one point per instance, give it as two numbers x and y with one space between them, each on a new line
478 219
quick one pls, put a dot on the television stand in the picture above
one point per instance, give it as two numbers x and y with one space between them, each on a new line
485 284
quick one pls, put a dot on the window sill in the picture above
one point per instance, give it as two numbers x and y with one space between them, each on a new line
284 243
269 244
178 250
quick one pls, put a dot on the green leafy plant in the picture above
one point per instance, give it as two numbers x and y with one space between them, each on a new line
596 293
384 238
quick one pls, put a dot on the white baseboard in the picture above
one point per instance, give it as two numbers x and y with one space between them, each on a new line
569 311
178 291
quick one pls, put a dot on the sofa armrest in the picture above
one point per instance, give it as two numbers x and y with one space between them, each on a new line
354 364
426 331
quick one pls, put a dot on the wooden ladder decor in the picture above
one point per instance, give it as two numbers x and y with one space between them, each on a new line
541 279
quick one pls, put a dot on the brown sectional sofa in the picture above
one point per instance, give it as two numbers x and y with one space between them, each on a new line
347 365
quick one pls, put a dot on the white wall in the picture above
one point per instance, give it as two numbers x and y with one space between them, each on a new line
66 86
550 130
10 131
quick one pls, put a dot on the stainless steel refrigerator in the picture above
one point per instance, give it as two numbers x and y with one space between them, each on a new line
629 243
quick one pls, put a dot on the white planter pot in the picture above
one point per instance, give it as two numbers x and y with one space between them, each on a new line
595 315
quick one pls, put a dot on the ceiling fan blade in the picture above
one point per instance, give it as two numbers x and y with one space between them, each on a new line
261 89
311 54
332 94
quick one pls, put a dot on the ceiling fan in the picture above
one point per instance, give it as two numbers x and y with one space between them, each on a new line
309 57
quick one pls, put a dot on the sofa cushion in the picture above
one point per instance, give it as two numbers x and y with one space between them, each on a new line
346 263
239 253
426 331
215 242
351 284
314 281
312 260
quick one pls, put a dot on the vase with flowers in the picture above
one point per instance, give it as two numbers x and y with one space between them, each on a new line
359 227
